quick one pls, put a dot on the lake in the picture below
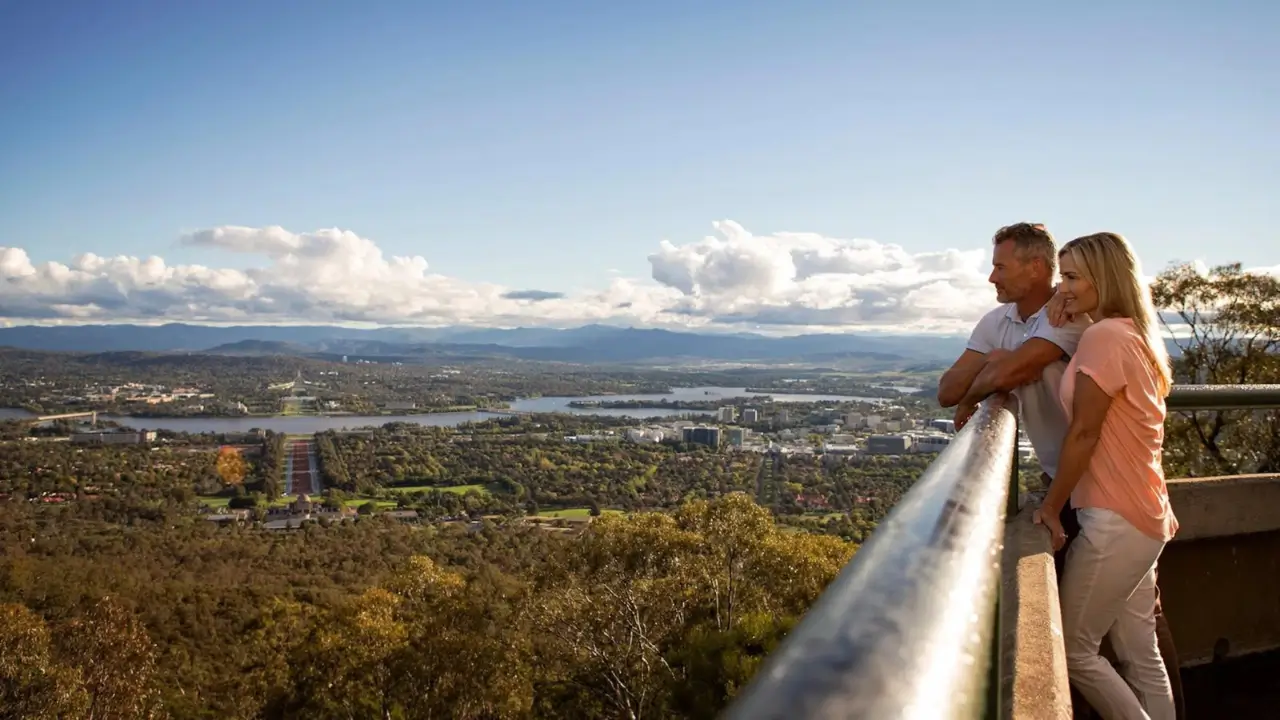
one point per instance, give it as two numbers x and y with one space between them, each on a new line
308 424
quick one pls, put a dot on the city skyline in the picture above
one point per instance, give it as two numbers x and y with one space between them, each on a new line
732 166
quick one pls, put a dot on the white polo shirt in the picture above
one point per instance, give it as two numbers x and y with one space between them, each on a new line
1043 417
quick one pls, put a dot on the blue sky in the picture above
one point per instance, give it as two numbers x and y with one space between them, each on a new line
542 145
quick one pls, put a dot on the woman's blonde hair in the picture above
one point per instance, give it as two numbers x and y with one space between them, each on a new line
1106 260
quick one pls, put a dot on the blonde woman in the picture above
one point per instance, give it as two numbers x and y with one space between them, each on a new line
1110 469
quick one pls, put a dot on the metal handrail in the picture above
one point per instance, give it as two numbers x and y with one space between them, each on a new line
1223 397
906 629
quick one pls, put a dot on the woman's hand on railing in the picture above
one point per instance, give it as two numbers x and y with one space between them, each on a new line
1049 518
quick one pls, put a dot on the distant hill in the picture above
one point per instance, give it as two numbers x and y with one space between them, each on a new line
588 344
259 347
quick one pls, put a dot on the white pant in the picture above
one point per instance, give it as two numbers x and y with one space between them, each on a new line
1109 588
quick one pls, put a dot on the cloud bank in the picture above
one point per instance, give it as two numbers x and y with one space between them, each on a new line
785 282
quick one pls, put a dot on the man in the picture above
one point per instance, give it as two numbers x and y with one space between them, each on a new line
1016 348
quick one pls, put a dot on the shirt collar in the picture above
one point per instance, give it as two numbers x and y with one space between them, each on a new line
1011 314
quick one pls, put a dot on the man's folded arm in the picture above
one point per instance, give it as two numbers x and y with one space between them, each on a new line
1015 369
955 382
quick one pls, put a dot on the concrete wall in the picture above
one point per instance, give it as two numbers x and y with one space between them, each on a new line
1220 577
1033 663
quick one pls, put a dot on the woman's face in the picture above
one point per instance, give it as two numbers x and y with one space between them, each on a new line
1080 294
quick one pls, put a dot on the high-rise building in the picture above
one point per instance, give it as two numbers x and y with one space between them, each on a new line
728 414
782 417
702 435
737 436
750 416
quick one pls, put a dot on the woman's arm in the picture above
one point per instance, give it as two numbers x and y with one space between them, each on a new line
1088 410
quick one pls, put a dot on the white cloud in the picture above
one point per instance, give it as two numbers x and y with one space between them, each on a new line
784 282
802 279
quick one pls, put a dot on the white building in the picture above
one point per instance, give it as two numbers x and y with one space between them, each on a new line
728 414
946 426
645 435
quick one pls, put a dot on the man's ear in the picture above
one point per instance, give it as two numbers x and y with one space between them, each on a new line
1049 273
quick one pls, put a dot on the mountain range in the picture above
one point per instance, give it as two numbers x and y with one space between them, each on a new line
587 344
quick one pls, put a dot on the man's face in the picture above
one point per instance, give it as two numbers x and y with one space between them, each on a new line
1012 276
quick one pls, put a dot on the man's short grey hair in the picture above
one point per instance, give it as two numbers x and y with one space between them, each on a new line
1032 241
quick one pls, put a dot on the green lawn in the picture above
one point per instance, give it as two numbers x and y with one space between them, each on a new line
380 504
222 502
575 513
459 489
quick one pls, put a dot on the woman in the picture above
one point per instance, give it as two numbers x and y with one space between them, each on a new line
1110 469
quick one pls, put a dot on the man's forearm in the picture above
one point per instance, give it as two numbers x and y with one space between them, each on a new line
1008 371
955 384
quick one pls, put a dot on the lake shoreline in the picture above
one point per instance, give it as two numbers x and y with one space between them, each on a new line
310 424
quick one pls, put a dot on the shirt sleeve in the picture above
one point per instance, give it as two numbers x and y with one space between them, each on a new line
1066 337
984 337
1101 357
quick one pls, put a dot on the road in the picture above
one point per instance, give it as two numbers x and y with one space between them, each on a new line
301 471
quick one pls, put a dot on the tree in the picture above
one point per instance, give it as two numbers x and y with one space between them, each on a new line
116 659
231 466
334 499
607 622
272 640
33 684
429 644
1226 326
618 616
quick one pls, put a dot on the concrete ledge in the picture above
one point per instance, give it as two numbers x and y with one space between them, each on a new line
1033 662
1223 506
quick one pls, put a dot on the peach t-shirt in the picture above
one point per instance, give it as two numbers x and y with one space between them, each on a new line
1125 474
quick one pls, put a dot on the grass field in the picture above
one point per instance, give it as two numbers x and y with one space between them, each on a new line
222 502
380 504
459 489
575 513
